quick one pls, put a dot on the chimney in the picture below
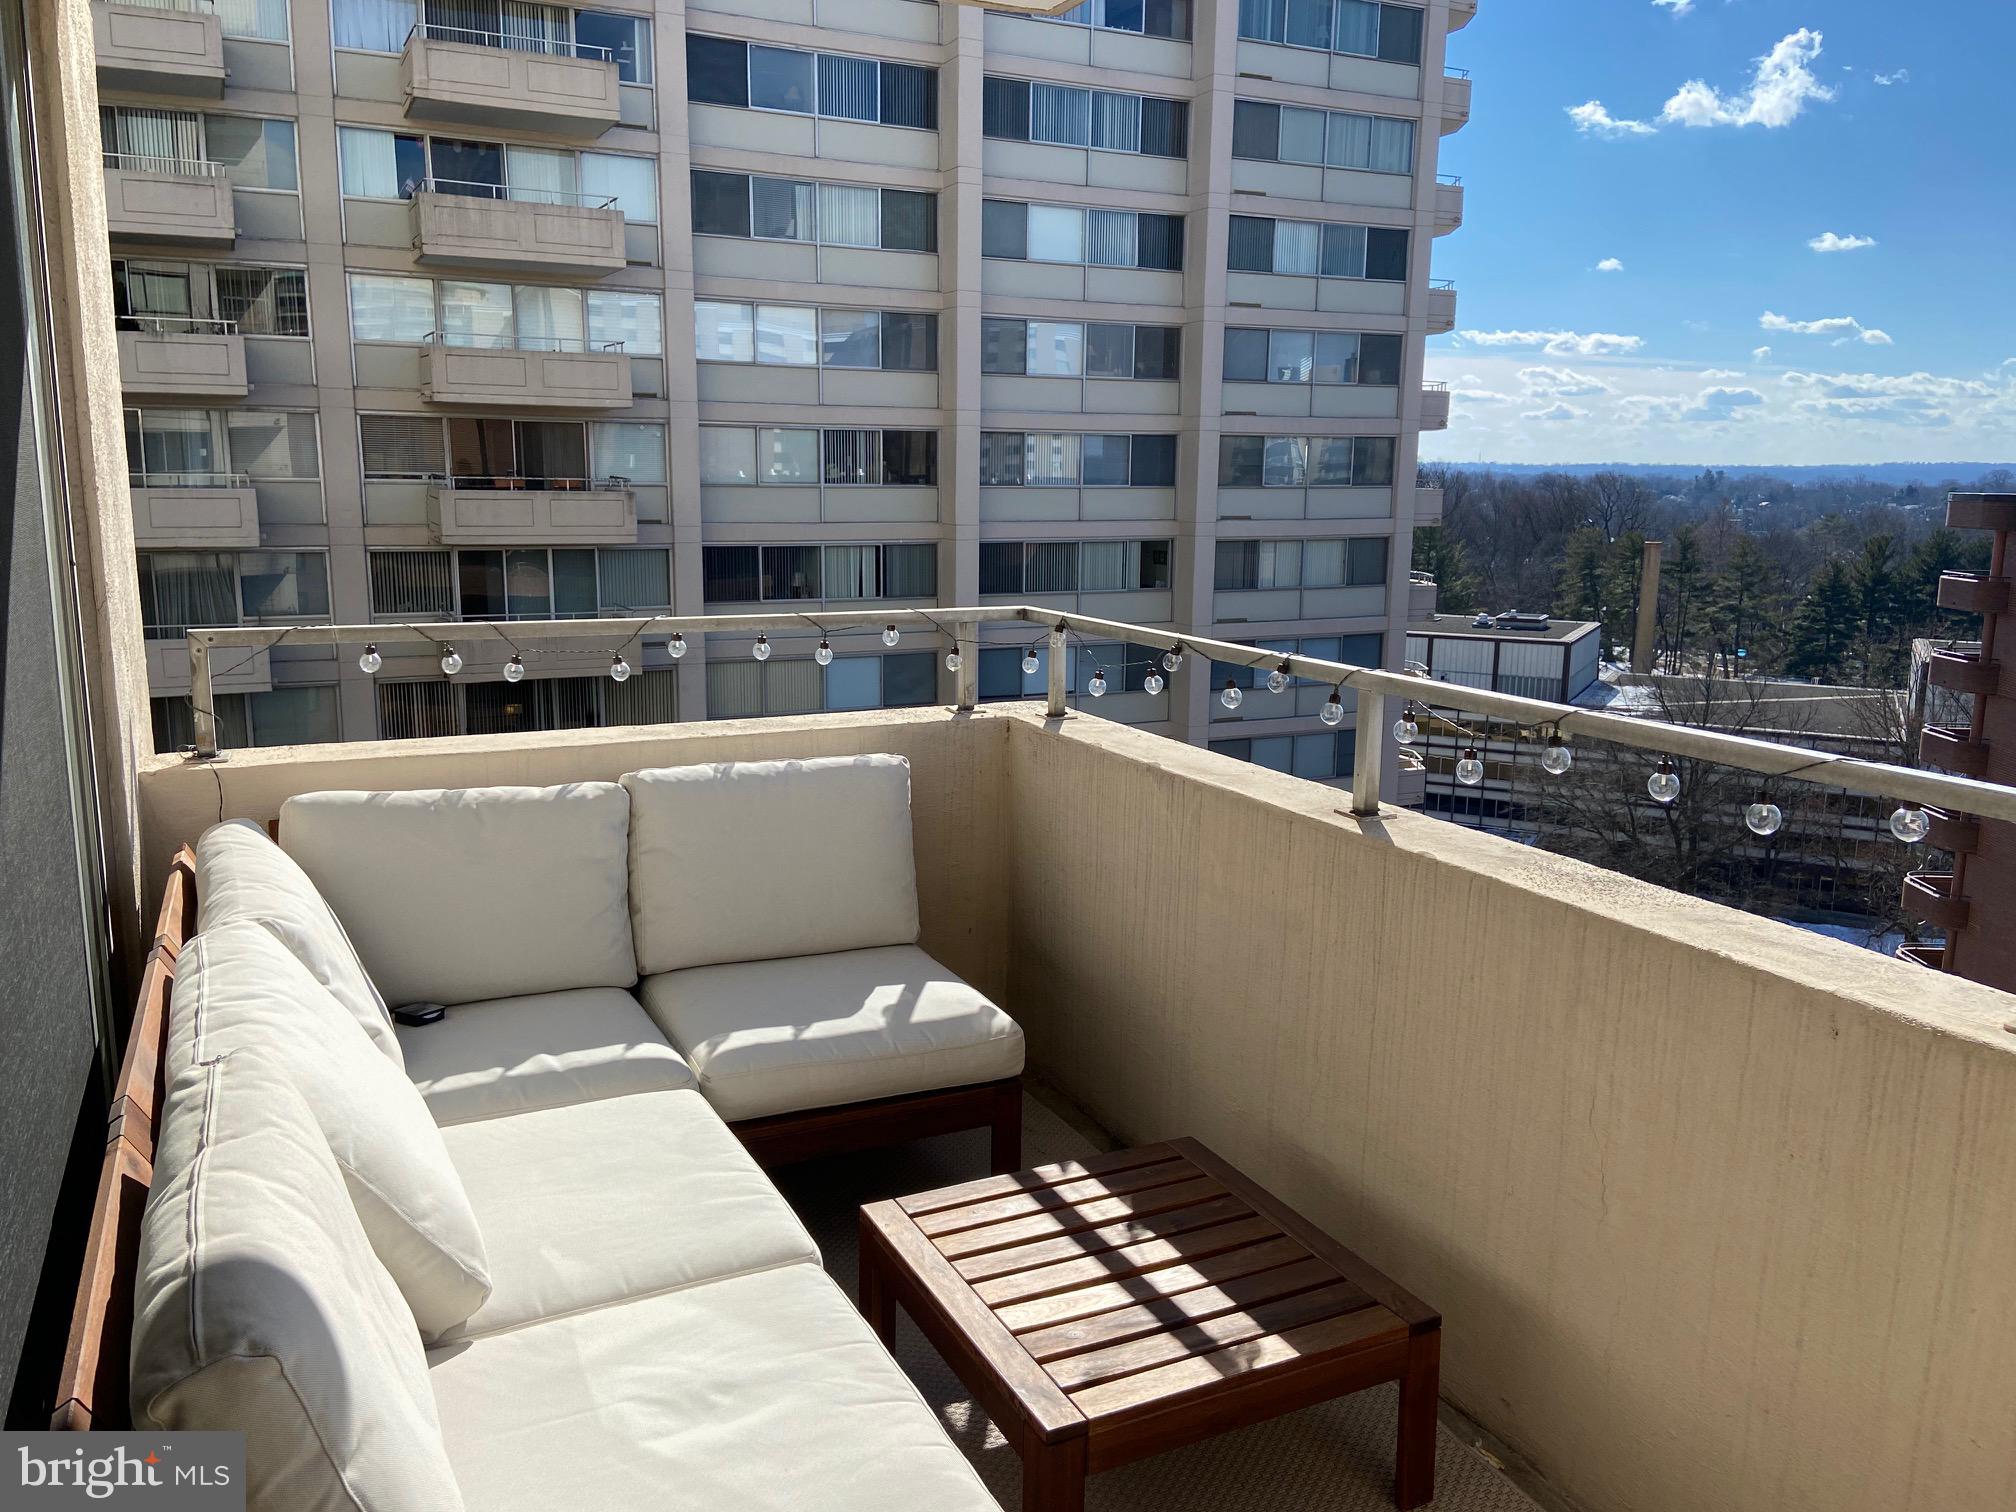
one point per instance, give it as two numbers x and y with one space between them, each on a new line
1648 610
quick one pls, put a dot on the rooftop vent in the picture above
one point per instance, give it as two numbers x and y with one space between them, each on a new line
1524 622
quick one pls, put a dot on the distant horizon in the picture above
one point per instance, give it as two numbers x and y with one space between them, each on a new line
1936 472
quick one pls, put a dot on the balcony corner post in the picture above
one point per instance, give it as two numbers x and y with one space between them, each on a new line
1056 669
1365 773
966 641
202 699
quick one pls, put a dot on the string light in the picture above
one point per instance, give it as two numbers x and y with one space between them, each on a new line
1173 657
1664 783
761 650
1470 770
1152 683
451 661
1764 818
891 635
1097 687
514 669
370 661
676 647
1277 680
1029 662
619 669
953 660
824 655
1910 823
1558 757
1332 712
1405 730
1231 697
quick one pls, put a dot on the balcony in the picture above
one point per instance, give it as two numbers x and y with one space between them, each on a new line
1422 591
176 357
1461 14
562 376
1957 834
1962 671
1952 748
532 512
1973 593
1448 204
215 511
160 49
1981 511
1434 406
1455 100
1442 306
1428 506
1619 1135
470 226
168 201
461 77
1929 898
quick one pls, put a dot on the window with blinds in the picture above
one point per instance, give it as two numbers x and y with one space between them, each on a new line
263 301
416 710
414 585
402 447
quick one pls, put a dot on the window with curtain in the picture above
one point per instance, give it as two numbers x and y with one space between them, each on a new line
380 164
1358 28
631 450
909 221
1344 251
275 444
625 40
1165 127
1307 24
401 446
783 209
476 315
1109 566
528 584
850 338
167 446
1322 564
787 335
1160 242
791 572
412 584
263 301
1116 121
1000 566
1060 115
1349 142
1049 458
179 589
632 182
735 688
910 570
162 137
851 572
1250 245
260 20
1004 109
550 320
1301 138
635 579
793 685
909 96
1056 233
852 457
849 88
647 698
1297 247
1050 567
1111 238
536 28
1256 130
629 318
417 710
541 175
1392 147
256 154
849 217
1001 459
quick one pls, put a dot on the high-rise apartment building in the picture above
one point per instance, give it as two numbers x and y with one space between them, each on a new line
496 310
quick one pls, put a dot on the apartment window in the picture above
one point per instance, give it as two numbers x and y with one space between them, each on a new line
263 301
1320 758
630 183
628 451
1072 349
257 20
302 714
1010 567
626 40
1063 459
1261 245
744 689
626 318
372 25
255 153
1337 138
381 164
1018 111
1276 356
750 76
1154 18
519 582
1362 28
1352 650
273 445
736 455
1352 562
401 447
535 317
889 340
1298 462
173 447
735 204
764 574
179 589
1068 234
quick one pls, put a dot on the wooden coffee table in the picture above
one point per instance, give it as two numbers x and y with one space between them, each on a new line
1112 1308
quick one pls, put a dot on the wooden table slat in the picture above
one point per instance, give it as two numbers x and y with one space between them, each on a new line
1136 1355
1176 1279
1051 1199
1034 1179
1165 1313
1105 1238
1221 1369
1129 1260
1083 1215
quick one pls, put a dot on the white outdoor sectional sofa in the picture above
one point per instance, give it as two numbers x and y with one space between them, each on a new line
519 1258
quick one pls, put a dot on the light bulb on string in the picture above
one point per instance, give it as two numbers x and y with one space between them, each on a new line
1910 823
1405 730
1332 712
1029 662
451 662
1763 817
1097 687
891 635
1277 680
1153 683
1231 697
370 661
1173 657
676 647
953 660
761 650
1470 770
1664 783
1558 757
619 669
514 669
824 655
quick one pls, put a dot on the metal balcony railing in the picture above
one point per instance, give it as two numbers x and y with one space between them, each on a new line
513 482
188 480
516 193
1373 685
148 162
178 325
522 343
1446 285
433 31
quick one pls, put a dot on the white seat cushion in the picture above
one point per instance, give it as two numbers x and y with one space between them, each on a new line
513 1055
242 874
259 1306
762 1393
236 988
818 1031
600 1202
751 860
460 895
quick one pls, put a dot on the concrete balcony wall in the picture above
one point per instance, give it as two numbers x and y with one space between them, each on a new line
172 209
1441 311
151 50
1435 409
517 379
1716 1211
1448 208
1455 103
471 84
1428 506
460 231
533 516
1461 13
207 518
183 364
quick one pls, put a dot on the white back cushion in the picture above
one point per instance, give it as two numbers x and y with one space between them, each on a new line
259 1306
754 860
242 874
236 988
469 893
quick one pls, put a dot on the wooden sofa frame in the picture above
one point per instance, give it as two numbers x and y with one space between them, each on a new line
93 1389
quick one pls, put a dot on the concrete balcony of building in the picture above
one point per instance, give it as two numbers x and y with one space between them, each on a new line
1434 406
1955 833
206 511
1461 14
458 76
168 201
457 225
1455 100
1929 897
1428 505
560 375
1441 306
1620 1137
160 48
1981 511
179 357
245 671
1962 671
1952 748
1973 593
1422 593
1448 203
470 511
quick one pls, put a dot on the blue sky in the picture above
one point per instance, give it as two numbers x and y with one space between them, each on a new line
1724 138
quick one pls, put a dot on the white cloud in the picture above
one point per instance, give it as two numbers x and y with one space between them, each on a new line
1592 119
1718 404
1678 7
1721 373
1783 85
1830 241
1761 354
1902 76
1556 414
1889 386
1610 265
1846 327
1558 343
1560 383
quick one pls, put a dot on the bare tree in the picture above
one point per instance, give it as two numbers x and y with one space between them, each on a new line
1618 504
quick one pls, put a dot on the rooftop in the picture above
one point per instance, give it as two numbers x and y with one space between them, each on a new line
1512 628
